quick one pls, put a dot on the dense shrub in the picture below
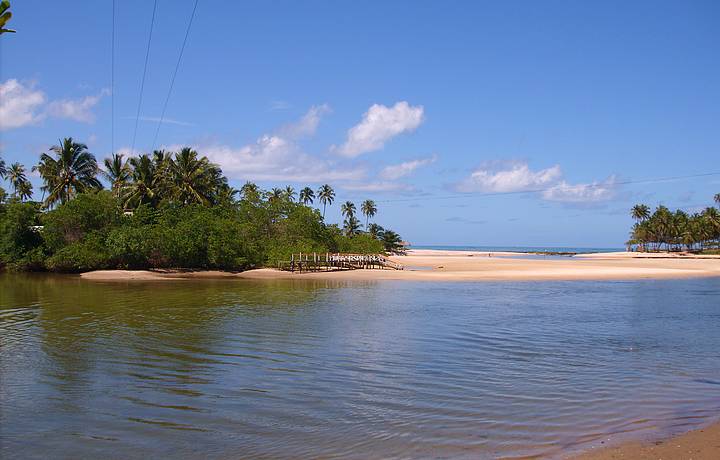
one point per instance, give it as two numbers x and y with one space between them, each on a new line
89 254
21 245
90 232
72 221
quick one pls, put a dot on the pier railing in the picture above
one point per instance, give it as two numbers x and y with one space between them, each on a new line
303 262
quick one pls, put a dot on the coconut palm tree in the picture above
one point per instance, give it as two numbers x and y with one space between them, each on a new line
717 198
3 169
73 170
190 179
326 194
375 230
117 172
5 16
249 190
24 190
289 193
16 176
348 209
276 194
369 209
351 225
392 242
143 189
640 212
307 196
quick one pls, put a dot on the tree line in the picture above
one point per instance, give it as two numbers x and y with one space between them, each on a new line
166 209
676 230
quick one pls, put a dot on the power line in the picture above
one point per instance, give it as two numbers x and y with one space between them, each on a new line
142 82
522 192
112 84
172 80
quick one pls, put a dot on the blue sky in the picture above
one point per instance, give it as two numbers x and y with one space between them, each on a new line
425 107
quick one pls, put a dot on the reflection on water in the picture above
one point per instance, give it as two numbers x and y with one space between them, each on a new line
234 369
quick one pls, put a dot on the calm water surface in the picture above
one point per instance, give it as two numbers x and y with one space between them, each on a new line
239 369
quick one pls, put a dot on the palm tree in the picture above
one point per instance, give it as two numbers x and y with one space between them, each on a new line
326 194
369 209
640 212
276 195
351 225
290 193
190 179
5 16
3 169
392 242
143 187
117 172
24 190
375 230
72 171
307 196
249 190
717 198
16 176
348 209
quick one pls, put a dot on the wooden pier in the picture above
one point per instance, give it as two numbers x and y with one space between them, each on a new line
317 262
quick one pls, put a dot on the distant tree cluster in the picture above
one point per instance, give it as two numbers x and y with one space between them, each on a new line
669 230
166 210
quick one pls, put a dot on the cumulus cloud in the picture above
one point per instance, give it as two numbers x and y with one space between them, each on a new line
380 124
307 125
548 182
278 157
397 171
19 104
515 178
582 193
275 158
76 109
22 105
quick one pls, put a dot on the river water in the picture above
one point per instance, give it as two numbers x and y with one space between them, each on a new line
307 369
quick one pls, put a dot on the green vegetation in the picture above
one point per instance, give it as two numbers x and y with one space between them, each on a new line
5 16
675 231
165 210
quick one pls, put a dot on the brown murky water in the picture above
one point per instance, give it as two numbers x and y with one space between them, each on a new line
238 369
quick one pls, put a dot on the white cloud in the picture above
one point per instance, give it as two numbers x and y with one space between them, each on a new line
582 193
379 125
19 104
308 124
22 105
397 171
381 186
518 177
75 109
276 159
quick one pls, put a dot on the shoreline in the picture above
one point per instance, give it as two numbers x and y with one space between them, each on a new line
698 444
440 265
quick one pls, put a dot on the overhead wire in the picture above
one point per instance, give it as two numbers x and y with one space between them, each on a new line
174 75
112 83
540 190
142 82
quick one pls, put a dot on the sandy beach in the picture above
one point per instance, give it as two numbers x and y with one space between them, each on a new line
702 444
435 265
